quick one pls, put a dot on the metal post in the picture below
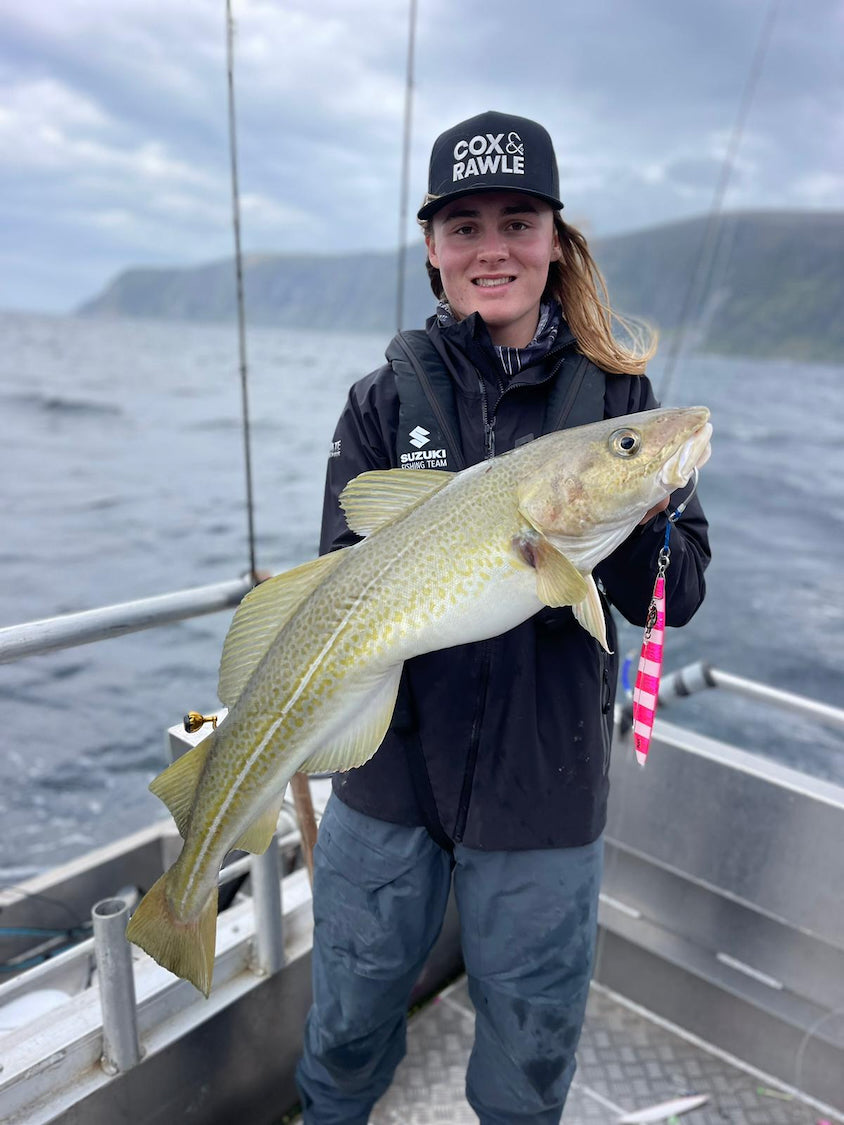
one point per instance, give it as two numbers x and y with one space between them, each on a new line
266 894
121 1049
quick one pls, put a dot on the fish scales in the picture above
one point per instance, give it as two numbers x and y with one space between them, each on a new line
276 713
469 561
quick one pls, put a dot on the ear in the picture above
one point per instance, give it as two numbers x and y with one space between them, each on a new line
433 257
556 249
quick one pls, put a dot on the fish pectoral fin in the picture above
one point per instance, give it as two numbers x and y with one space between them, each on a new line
261 616
176 786
258 836
590 614
373 499
186 948
558 581
359 740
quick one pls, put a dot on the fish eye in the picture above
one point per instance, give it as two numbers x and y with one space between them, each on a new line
625 443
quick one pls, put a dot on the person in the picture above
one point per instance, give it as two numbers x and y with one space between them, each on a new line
493 774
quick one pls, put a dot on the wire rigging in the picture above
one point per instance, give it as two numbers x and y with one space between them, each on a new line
701 275
241 320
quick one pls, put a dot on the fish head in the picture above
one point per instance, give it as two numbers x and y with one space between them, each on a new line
590 486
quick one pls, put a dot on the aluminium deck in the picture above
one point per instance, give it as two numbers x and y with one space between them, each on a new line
626 1062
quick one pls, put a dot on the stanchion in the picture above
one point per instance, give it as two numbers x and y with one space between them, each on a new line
121 1049
266 896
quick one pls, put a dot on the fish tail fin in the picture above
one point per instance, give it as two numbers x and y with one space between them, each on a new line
186 948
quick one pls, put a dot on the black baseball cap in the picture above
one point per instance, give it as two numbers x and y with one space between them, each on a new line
492 152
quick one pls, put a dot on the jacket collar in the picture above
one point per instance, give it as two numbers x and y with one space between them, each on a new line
468 351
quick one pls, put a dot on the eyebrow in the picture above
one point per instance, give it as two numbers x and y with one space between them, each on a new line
514 209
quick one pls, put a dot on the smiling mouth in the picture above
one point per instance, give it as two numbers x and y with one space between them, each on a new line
491 282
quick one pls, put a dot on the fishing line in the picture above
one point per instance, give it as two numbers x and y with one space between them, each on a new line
241 319
14 887
811 1033
701 276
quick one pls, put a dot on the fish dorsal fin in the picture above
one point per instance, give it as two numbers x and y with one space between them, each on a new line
176 786
590 614
374 499
259 618
359 740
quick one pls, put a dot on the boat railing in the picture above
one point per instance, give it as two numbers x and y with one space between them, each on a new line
109 952
266 904
71 629
700 676
108 949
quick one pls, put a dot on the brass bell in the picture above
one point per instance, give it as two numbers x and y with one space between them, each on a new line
193 721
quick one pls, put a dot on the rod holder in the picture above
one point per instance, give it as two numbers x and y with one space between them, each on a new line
121 1047
266 897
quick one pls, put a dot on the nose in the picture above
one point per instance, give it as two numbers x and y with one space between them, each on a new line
493 247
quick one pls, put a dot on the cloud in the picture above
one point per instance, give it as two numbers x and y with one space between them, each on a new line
114 117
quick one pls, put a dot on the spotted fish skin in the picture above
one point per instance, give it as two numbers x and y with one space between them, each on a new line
312 662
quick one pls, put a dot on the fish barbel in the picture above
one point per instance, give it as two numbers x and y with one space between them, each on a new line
311 664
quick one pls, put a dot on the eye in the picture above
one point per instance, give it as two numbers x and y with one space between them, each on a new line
625 443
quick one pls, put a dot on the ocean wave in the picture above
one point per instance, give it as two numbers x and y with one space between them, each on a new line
62 404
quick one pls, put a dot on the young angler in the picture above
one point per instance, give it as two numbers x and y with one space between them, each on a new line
494 771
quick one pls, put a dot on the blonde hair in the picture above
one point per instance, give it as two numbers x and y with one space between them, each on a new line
578 285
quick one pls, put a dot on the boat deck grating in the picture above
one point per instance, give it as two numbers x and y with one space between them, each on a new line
626 1062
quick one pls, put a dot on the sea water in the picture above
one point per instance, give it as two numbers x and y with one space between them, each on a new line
122 467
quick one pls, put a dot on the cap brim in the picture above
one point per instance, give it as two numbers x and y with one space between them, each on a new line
429 209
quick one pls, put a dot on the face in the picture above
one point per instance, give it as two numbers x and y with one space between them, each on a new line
493 250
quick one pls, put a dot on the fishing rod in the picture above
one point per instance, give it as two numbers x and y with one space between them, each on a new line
241 319
405 166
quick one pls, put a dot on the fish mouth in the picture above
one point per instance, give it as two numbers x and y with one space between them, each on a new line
692 454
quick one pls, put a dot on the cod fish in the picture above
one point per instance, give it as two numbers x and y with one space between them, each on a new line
311 664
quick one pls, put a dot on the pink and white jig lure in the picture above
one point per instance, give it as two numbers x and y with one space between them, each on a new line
649 671
646 691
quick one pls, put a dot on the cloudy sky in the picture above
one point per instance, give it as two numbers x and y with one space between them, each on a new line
113 126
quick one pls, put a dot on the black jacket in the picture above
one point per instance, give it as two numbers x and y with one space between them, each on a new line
515 731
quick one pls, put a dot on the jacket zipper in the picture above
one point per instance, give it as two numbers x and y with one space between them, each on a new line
486 657
474 744
546 379
489 427
486 650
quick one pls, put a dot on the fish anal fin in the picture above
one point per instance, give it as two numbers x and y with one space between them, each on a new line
261 616
376 498
176 785
258 836
590 614
186 948
359 740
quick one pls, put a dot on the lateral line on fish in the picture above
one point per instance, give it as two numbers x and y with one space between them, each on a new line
303 683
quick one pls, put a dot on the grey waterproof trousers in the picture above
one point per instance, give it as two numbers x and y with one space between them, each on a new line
527 923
